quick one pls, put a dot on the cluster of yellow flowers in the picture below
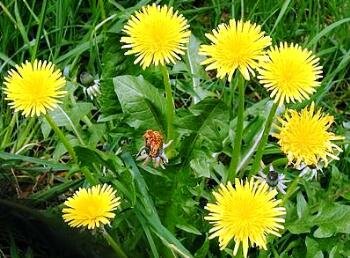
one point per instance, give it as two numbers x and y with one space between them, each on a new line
247 211
157 35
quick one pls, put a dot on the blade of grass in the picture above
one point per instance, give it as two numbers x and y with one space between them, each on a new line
21 28
49 164
280 15
312 43
150 212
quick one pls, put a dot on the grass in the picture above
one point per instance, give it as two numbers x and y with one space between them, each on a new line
162 215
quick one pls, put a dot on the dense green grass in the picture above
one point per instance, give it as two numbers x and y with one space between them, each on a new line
162 214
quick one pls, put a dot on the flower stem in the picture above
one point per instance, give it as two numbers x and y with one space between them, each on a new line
262 143
9 129
89 177
25 136
170 108
61 136
239 130
117 249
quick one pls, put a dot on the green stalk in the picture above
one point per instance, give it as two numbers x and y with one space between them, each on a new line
9 131
61 136
24 136
239 130
170 108
89 177
103 12
40 27
260 150
117 249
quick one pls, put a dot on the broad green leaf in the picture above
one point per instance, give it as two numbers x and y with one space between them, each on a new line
142 101
207 124
88 157
331 218
200 166
68 116
79 110
113 61
324 231
313 250
301 205
96 133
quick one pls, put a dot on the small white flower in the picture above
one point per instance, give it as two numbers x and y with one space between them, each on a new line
310 172
94 90
273 179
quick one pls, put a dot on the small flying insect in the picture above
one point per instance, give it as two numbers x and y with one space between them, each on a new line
153 149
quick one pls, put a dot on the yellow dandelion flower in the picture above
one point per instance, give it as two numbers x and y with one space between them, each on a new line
238 45
290 73
304 137
245 213
92 207
34 88
156 35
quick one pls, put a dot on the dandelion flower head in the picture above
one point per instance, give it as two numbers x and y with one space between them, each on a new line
290 73
32 88
156 35
92 207
245 213
237 45
305 137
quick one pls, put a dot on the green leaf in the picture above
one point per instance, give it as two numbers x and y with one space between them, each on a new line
207 125
68 117
193 60
88 156
301 205
326 30
49 164
96 133
313 250
200 166
113 61
325 231
202 252
331 218
56 190
142 101
149 211
79 110
189 229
